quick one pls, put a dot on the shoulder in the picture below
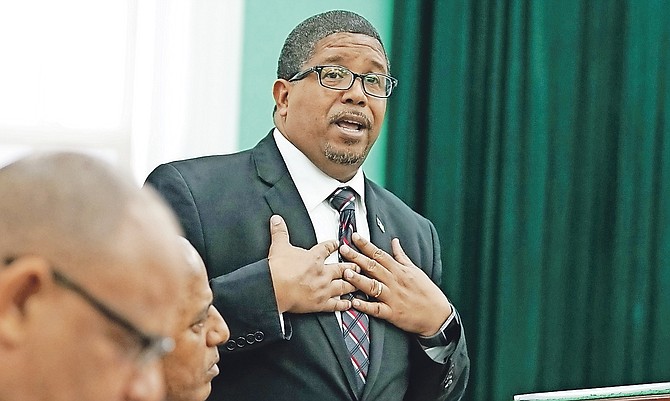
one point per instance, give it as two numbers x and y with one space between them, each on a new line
377 193
210 161
204 166
225 166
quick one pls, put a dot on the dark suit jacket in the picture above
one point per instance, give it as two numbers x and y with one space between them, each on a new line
224 204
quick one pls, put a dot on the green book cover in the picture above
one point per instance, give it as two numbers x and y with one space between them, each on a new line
602 393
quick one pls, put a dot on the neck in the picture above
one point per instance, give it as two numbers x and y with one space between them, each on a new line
340 172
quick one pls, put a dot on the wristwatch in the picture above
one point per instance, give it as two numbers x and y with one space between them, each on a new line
449 334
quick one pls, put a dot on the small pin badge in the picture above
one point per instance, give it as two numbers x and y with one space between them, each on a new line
380 225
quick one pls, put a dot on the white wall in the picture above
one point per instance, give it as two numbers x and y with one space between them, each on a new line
138 82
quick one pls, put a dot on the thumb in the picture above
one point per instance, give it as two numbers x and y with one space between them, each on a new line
399 253
278 230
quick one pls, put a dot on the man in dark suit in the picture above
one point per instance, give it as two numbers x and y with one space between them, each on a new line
281 295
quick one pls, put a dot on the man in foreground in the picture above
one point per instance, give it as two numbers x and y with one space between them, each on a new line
90 282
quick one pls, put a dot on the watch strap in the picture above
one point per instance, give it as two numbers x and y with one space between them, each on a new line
449 333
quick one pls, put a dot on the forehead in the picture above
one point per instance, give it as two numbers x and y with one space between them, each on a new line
343 47
199 293
194 307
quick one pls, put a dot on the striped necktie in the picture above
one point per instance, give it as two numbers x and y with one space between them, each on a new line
354 323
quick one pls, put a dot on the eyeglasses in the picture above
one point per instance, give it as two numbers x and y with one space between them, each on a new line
150 346
341 78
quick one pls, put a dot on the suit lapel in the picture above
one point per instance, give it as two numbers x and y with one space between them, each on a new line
282 196
380 234
381 238
283 199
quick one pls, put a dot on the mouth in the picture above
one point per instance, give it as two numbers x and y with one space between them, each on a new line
214 369
351 122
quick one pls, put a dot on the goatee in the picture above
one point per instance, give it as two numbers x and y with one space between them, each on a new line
345 158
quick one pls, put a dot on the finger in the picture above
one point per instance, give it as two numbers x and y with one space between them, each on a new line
371 250
375 309
278 230
341 267
373 268
325 248
399 253
337 304
341 287
337 270
378 289
372 287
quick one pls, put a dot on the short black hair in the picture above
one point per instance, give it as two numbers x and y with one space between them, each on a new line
299 45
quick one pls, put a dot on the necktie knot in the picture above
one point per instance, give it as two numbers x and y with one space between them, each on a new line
343 198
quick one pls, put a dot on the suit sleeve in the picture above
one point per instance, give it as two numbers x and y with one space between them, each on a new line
431 380
245 296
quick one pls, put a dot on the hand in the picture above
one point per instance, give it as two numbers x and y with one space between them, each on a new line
408 298
303 283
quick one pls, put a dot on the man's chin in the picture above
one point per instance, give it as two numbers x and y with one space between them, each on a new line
345 157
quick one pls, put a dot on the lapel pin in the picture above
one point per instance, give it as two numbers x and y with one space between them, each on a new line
380 225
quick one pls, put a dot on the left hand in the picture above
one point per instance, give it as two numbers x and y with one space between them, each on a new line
408 299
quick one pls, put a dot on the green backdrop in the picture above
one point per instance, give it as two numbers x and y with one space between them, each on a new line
535 135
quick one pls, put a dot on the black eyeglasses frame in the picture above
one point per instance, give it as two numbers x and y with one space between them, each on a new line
151 346
318 68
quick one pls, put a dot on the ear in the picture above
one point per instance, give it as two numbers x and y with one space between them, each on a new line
280 91
20 283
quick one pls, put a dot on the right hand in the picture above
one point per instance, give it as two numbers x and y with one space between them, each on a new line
303 283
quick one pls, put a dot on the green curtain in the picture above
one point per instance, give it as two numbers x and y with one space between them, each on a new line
536 136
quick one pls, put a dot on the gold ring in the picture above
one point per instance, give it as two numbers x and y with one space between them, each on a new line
379 290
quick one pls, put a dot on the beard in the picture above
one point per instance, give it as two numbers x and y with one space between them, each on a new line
346 157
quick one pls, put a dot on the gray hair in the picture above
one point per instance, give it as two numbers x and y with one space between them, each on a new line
300 43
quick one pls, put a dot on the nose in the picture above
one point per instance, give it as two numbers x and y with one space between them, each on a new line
355 94
218 332
147 383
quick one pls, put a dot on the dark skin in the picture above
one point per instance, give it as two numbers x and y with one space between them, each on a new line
303 283
408 299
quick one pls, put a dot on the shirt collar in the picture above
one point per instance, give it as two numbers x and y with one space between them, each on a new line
313 184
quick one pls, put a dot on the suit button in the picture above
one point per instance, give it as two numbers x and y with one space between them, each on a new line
230 345
259 336
241 342
251 338
448 383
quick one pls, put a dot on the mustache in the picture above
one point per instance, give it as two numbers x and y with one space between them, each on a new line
352 115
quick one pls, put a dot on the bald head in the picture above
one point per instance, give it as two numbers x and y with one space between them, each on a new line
194 263
73 208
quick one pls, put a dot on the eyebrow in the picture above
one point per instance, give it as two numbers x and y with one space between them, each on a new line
202 315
